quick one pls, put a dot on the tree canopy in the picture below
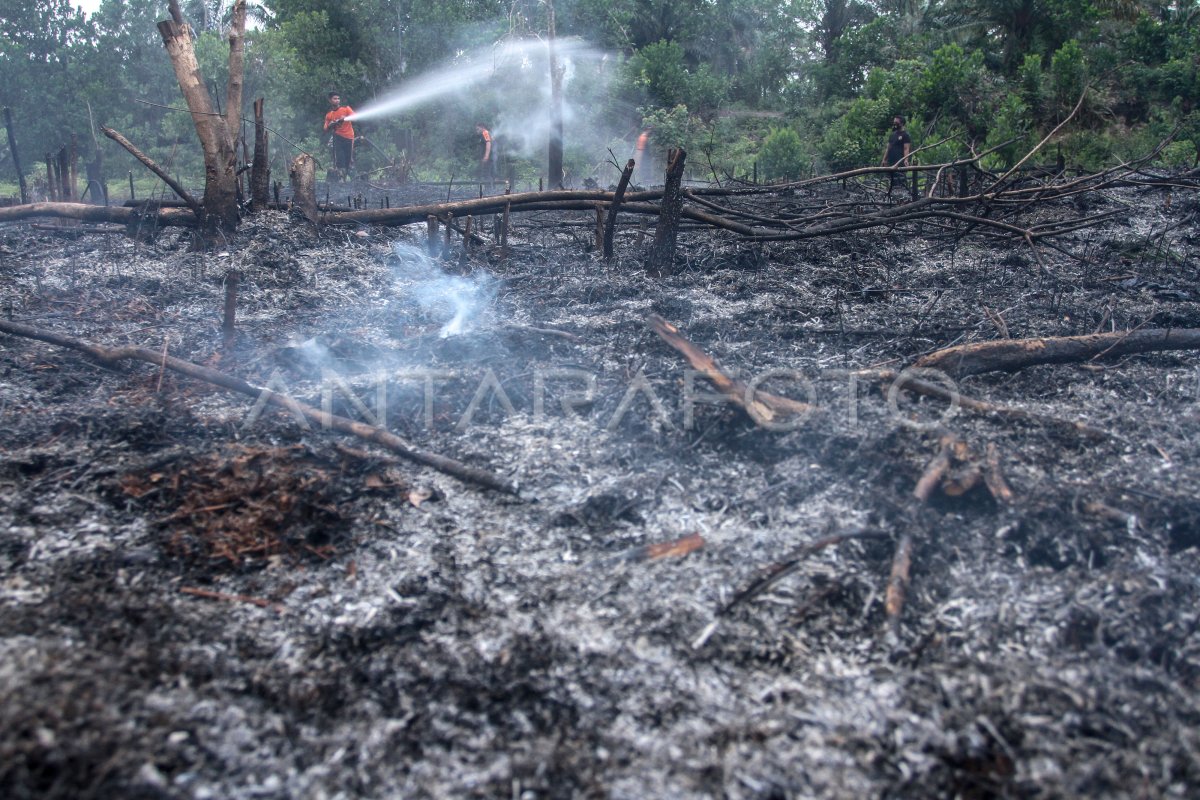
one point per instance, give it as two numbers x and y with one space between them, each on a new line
791 83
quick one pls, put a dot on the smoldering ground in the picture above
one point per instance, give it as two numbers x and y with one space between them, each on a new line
196 607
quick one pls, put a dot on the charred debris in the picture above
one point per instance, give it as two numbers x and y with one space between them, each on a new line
697 490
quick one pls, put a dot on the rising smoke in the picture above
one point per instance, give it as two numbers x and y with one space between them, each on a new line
457 302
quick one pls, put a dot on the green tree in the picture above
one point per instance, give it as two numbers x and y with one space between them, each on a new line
783 155
954 87
857 136
43 44
658 74
1068 75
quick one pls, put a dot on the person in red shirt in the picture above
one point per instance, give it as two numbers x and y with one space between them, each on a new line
641 156
337 122
487 155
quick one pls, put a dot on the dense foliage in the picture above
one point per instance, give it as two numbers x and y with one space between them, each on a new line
792 85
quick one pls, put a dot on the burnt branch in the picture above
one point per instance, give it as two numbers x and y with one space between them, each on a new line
162 174
764 408
110 356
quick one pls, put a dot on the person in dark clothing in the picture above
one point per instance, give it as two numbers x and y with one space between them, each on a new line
899 145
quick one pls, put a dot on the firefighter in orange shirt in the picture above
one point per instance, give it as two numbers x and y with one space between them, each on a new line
487 154
337 123
641 156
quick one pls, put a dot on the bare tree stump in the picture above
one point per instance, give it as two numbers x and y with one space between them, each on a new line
431 234
260 173
231 290
303 175
661 260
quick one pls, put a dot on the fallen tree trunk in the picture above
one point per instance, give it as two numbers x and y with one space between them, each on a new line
110 356
561 200
84 212
771 220
1013 354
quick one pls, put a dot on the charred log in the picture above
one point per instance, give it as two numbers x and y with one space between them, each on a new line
1013 354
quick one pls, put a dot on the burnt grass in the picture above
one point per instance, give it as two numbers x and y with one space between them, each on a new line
200 599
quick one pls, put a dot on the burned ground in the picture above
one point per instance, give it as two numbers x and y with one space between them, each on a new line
205 599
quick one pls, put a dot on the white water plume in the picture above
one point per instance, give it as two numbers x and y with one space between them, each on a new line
526 57
457 300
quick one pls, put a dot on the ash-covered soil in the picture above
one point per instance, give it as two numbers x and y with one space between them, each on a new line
202 598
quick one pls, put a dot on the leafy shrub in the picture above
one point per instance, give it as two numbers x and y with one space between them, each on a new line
1013 122
1179 154
952 84
658 71
856 138
783 155
673 127
1068 75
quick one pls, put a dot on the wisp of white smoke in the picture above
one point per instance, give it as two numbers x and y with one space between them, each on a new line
456 299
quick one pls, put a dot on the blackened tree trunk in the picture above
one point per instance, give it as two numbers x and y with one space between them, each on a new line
66 189
12 148
661 260
217 133
610 227
260 173
555 166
